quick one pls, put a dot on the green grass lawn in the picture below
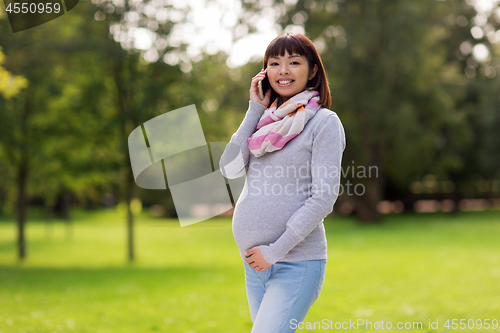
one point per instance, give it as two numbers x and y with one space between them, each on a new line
412 268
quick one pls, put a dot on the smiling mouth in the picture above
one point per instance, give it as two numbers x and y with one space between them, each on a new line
285 82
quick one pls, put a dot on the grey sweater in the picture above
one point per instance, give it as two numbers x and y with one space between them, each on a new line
287 192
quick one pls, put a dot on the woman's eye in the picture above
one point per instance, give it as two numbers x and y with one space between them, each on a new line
294 62
273 64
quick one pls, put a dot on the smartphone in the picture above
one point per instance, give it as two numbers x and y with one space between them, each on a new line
263 86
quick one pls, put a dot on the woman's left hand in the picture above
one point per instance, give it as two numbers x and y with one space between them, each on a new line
256 260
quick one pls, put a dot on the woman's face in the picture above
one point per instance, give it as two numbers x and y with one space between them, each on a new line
288 75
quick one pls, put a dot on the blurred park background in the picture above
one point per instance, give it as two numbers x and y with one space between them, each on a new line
416 85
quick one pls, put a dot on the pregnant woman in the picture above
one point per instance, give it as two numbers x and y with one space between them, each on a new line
290 148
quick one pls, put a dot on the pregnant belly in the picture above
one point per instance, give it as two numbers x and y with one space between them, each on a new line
257 221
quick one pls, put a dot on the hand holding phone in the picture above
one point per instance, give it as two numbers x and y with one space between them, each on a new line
263 86
260 89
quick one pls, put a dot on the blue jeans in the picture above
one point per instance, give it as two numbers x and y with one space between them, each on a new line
280 297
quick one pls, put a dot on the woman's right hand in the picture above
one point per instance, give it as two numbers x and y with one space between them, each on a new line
254 90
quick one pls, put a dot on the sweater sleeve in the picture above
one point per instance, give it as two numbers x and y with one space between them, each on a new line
234 160
327 149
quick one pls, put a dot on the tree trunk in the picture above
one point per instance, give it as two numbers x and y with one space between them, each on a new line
366 204
456 196
366 201
22 177
130 216
49 227
3 196
124 91
66 198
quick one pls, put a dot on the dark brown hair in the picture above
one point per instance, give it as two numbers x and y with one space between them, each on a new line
295 43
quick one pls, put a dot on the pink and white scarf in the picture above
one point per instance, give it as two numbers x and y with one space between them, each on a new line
277 126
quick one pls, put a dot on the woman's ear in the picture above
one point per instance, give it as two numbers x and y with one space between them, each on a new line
313 72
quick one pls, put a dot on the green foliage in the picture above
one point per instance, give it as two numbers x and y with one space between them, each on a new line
391 83
396 81
10 85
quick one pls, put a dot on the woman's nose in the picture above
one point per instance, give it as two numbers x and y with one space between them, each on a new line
284 70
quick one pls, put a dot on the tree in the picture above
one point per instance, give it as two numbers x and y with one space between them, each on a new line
47 129
391 85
